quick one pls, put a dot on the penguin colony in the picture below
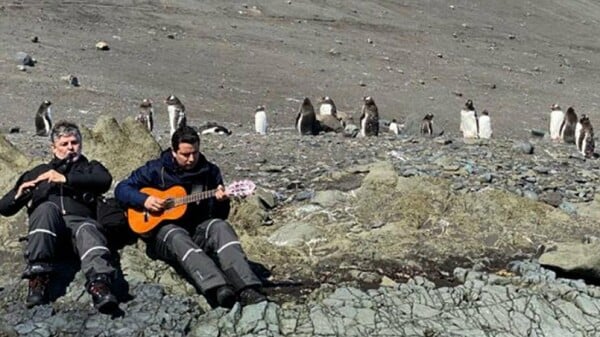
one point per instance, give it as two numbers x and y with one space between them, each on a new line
564 127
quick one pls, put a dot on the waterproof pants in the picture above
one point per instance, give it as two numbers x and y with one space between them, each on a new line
48 227
211 258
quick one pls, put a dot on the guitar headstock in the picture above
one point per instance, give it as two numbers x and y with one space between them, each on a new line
242 188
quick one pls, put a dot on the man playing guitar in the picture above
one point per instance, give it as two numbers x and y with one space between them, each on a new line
200 241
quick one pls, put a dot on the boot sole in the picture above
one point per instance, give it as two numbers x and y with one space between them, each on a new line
108 305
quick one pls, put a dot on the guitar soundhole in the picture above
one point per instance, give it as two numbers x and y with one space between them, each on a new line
169 203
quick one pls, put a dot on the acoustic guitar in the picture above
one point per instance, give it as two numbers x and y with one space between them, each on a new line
142 221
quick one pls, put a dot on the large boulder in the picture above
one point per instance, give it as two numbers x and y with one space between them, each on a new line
121 148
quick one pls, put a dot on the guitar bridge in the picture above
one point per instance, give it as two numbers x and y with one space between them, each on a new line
146 215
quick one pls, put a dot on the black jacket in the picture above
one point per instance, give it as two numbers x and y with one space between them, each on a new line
163 173
86 180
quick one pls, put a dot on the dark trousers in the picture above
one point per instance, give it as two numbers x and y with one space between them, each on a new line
211 258
48 227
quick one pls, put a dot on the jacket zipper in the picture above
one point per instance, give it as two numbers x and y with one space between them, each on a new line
62 202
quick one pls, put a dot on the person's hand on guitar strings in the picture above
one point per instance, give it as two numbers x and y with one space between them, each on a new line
154 204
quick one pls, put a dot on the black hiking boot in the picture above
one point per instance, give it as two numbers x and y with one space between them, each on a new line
225 296
102 296
251 295
38 290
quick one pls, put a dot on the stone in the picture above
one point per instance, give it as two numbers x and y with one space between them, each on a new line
329 198
573 255
295 234
523 147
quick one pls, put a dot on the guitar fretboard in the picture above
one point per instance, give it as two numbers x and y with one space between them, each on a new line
194 197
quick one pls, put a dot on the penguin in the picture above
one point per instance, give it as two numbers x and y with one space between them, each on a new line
212 128
427 125
584 137
306 120
327 107
43 119
468 121
146 115
176 111
260 120
485 125
556 118
394 128
578 128
567 128
369 118
327 117
588 145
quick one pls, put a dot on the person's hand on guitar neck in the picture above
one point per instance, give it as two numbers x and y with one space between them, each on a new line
154 204
221 193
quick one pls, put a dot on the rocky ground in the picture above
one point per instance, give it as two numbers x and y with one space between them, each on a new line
353 236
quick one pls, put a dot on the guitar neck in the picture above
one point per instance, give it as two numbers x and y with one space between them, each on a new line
194 197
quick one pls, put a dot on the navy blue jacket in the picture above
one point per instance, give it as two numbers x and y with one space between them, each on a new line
163 173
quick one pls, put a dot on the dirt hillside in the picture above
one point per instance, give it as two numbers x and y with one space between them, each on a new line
223 58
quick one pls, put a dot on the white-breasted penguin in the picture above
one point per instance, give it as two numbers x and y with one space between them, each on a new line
578 128
260 120
43 119
327 107
468 121
485 125
306 120
176 112
556 118
146 114
327 117
584 136
394 128
567 128
427 125
369 118
585 139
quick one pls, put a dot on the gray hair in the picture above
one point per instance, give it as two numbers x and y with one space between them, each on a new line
64 129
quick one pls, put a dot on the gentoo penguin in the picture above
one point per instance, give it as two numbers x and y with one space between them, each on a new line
43 119
556 118
584 137
327 107
485 125
260 120
306 121
578 128
212 128
146 115
176 113
468 121
369 118
394 127
586 142
427 125
567 128
327 117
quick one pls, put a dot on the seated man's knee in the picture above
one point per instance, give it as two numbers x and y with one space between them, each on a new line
47 207
171 235
218 226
